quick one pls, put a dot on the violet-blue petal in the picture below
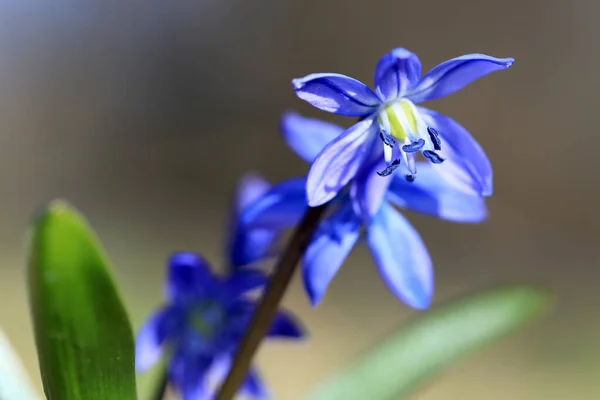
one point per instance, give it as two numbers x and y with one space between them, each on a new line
330 245
368 189
219 369
244 280
245 246
249 245
187 372
249 188
339 162
307 136
286 325
401 257
433 195
396 73
461 151
453 75
253 386
336 93
188 275
281 207
150 340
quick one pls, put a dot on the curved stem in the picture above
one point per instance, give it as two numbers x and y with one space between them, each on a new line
269 303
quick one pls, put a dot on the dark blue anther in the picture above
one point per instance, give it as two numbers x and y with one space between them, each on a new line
414 146
435 138
433 157
410 178
386 138
390 168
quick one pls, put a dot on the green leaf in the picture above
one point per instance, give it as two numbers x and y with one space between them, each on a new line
14 381
432 341
83 336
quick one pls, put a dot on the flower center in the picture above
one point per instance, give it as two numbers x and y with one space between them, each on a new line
205 317
404 134
399 120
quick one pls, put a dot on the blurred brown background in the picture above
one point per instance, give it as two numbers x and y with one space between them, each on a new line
143 114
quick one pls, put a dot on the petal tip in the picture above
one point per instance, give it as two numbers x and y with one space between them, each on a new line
314 202
421 304
314 300
314 297
298 83
401 52
316 198
508 62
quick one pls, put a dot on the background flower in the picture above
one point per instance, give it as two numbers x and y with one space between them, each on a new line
201 325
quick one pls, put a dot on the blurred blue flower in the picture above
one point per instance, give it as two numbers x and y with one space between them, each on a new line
365 204
389 114
246 246
201 325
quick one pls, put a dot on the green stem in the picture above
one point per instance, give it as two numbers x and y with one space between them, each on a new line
269 303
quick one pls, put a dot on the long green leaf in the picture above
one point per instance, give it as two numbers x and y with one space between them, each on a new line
83 336
14 381
431 341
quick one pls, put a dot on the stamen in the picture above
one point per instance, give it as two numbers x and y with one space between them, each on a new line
390 168
435 138
433 157
414 146
410 178
386 138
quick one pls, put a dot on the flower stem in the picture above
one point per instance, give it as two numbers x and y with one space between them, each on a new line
269 303
161 387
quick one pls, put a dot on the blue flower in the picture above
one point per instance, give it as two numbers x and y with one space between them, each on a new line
365 204
390 115
246 246
201 326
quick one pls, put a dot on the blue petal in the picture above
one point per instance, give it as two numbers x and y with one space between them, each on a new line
396 73
250 245
189 275
339 161
453 75
281 207
307 136
401 257
465 160
330 245
253 386
244 280
431 194
187 372
368 189
160 327
336 93
250 187
286 325
245 246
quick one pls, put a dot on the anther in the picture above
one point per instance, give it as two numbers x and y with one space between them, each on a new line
433 157
414 146
410 178
386 138
435 138
390 168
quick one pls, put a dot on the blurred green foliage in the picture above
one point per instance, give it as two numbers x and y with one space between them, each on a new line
431 341
83 335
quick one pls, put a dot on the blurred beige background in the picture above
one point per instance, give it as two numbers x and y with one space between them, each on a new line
144 113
